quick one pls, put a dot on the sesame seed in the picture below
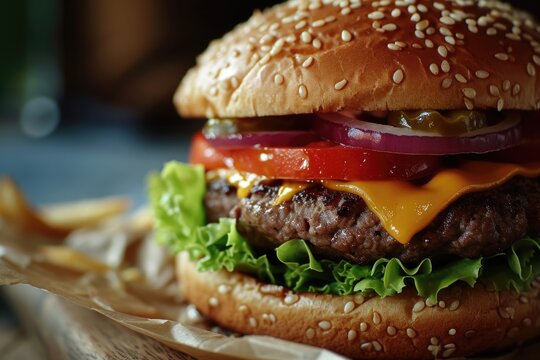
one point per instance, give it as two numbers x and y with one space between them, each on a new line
310 333
252 322
411 9
376 15
469 93
443 51
300 24
325 325
431 31
351 335
416 17
419 306
272 318
523 299
346 36
450 40
278 79
454 305
434 68
398 76
452 332
317 44
516 90
243 308
393 47
349 306
268 38
411 333
308 62
442 304
346 11
429 43
377 345
439 6
366 346
376 318
390 330
213 302
389 27
501 56
536 59
445 31
482 74
318 23
491 31
278 46
422 8
223 289
446 83
448 352
293 298
531 70
494 91
513 36
330 19
447 20
468 104
506 87
401 44
416 46
359 299
305 37
422 25
460 78
419 34
445 66
434 340
473 29
430 302
363 326
396 13
500 105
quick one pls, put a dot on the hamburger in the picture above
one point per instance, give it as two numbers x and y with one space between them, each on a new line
367 180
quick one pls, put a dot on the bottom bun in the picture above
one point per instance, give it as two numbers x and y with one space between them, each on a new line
465 321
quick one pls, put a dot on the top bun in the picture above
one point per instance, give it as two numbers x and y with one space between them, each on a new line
326 56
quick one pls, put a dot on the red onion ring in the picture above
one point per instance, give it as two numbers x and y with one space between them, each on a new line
344 128
264 139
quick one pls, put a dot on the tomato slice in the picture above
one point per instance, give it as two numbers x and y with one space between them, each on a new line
320 160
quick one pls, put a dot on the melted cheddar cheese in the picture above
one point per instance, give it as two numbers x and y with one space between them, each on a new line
405 208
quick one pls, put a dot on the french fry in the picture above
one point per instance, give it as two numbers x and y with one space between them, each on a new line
65 257
83 213
55 221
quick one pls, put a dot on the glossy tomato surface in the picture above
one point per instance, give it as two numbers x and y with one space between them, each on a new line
320 160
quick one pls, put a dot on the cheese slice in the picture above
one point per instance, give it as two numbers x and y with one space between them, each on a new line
403 207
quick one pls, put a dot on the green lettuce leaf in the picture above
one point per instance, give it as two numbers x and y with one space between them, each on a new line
177 200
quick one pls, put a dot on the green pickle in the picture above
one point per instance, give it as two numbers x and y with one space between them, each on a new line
227 127
446 123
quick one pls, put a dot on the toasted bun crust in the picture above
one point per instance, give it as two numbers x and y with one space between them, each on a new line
327 56
465 322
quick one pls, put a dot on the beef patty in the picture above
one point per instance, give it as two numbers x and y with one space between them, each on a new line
340 225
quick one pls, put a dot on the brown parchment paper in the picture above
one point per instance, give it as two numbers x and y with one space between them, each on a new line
113 266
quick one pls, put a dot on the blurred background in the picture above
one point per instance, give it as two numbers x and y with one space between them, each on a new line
86 89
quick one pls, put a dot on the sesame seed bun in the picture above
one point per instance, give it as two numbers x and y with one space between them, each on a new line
327 56
466 320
